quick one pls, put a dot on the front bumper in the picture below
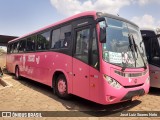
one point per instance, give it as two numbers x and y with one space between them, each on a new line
131 94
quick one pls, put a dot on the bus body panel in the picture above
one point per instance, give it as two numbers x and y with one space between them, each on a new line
155 76
41 66
81 78
95 78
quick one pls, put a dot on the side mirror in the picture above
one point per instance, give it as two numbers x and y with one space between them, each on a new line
103 25
158 35
102 35
100 19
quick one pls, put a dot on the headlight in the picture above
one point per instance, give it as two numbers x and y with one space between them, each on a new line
112 82
148 80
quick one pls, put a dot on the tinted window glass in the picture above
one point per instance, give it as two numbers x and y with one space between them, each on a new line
65 36
55 39
22 46
146 33
31 43
9 48
155 53
12 48
15 47
61 38
82 44
94 53
43 41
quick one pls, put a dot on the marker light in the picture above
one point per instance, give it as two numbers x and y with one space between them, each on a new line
112 82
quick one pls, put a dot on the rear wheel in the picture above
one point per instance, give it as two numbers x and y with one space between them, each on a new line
61 87
17 75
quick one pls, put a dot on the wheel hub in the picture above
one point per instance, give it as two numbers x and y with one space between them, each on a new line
61 87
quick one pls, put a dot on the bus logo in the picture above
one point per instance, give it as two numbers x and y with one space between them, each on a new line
130 79
135 81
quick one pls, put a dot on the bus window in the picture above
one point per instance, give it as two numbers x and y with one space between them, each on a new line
22 46
55 39
12 48
9 48
65 36
31 43
155 56
94 53
61 38
43 41
147 45
15 47
82 44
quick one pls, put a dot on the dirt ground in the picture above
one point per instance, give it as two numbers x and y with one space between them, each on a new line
2 60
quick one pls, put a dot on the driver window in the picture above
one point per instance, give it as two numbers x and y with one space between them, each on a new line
94 53
155 56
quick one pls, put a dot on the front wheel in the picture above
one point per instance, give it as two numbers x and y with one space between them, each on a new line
17 75
61 87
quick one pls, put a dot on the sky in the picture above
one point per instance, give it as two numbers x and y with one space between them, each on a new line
19 17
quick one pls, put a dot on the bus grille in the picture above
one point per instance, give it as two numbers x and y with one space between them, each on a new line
130 74
132 86
131 94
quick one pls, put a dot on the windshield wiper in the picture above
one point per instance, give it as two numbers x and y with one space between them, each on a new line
133 50
123 68
136 46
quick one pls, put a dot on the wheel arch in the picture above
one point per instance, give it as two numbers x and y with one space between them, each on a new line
15 67
55 76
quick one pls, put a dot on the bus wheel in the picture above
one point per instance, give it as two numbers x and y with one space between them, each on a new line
17 75
61 87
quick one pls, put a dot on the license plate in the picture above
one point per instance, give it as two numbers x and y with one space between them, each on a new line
135 98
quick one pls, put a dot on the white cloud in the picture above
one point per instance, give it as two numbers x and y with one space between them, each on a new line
146 21
70 7
144 2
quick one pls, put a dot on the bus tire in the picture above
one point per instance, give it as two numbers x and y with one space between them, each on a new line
61 87
17 75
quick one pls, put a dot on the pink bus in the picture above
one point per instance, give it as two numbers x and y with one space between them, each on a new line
93 55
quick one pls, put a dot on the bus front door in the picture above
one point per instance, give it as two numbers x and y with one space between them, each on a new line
80 63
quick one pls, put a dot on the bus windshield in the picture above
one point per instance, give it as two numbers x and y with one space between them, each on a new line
122 46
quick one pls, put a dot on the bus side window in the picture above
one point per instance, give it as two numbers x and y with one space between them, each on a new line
15 47
155 56
30 44
43 41
55 39
147 45
94 52
9 48
22 46
65 36
61 38
12 48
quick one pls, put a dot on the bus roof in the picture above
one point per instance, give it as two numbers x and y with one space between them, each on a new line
116 17
149 29
88 13
92 13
